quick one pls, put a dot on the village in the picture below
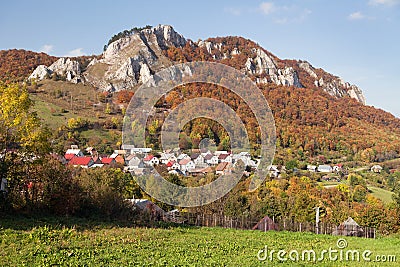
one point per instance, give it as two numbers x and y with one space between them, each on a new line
139 161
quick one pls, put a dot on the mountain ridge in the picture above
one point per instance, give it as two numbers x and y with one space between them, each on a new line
131 60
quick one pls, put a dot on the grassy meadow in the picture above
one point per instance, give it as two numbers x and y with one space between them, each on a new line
77 242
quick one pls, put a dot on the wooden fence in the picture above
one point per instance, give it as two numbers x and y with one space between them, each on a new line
267 224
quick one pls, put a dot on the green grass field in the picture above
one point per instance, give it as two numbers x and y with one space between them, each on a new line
384 195
81 243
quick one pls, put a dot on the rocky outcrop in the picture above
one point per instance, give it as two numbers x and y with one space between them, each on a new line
40 73
263 63
335 86
63 66
133 60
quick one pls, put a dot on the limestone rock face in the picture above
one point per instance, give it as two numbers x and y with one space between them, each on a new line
336 86
63 66
40 73
133 60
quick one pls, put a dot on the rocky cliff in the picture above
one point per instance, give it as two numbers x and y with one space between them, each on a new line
130 61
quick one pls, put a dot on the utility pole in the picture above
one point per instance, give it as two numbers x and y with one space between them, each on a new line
316 220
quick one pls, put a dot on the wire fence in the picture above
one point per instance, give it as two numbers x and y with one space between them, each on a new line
268 224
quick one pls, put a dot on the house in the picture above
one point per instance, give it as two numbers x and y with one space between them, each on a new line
182 156
147 206
128 158
311 168
83 162
166 157
349 228
74 151
266 224
376 169
210 159
324 168
150 160
201 171
246 158
219 152
338 168
198 160
119 158
136 163
96 161
172 165
107 161
131 149
186 164
225 158
223 168
273 171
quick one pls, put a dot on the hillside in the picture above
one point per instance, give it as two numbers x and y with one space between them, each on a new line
17 64
316 113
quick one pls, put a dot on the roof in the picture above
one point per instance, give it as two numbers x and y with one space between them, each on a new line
223 156
131 156
120 152
208 156
80 161
221 166
107 160
148 157
69 156
194 155
350 222
73 151
170 163
145 204
184 161
324 167
376 167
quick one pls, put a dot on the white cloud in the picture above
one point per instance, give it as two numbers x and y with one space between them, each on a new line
384 2
75 53
267 7
46 48
356 16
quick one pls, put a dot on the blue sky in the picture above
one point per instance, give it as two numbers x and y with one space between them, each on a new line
358 40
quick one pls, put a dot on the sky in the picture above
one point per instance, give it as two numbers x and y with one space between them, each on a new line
357 40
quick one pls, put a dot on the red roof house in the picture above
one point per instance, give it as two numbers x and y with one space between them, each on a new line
107 161
84 162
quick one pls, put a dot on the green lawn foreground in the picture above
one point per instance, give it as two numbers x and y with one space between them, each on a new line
109 245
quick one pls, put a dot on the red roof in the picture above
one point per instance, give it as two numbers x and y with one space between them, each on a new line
80 161
221 166
148 158
69 156
170 163
223 156
107 160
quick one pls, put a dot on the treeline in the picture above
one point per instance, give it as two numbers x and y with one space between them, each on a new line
125 33
17 64
45 186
